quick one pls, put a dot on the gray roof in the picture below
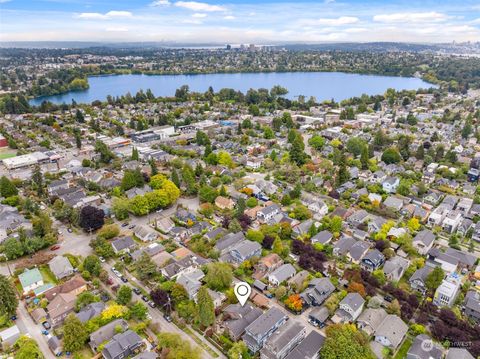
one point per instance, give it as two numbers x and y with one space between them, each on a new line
309 346
282 337
472 301
60 266
146 355
393 328
246 248
240 317
123 243
284 272
106 332
463 257
120 344
320 314
425 236
395 267
343 245
353 300
229 241
322 237
458 353
358 250
421 273
372 317
90 311
319 289
417 350
266 321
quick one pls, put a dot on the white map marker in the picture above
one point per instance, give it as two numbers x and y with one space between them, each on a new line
242 291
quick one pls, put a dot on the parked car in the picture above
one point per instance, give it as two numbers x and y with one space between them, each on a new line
167 317
151 304
101 259
69 230
124 279
46 325
144 298
109 281
132 226
124 224
55 247
137 291
13 318
45 332
388 298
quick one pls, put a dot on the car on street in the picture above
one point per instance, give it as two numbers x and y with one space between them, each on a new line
45 332
109 281
137 291
144 298
69 230
124 224
124 279
46 325
55 247
167 317
151 304
101 259
132 226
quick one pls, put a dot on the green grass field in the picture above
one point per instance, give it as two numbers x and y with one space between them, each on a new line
6 155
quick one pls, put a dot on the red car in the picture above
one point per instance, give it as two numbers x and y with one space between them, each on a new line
55 247
109 281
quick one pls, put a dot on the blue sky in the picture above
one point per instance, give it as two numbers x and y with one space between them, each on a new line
240 21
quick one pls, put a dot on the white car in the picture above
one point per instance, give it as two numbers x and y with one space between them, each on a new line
101 259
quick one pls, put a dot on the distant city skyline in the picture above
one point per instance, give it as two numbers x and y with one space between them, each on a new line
241 21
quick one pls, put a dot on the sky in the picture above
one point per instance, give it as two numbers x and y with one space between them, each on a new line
240 21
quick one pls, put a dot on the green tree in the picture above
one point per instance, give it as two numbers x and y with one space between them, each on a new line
8 298
176 348
135 156
92 264
317 142
120 208
175 178
207 194
37 180
434 278
27 348
219 276
139 310
345 341
106 156
124 295
355 145
241 206
139 205
391 155
239 350
108 231
297 150
364 157
145 267
206 309
84 299
74 334
225 159
7 188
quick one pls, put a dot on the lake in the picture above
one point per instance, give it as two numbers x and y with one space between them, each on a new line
321 85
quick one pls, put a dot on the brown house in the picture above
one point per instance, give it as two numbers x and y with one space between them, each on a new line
267 264
74 286
224 203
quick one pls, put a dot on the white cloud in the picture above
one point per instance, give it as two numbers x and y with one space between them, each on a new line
329 1
160 3
199 6
410 17
199 15
107 16
4 1
116 29
229 17
342 20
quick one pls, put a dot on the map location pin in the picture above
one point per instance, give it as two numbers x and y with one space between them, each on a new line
242 291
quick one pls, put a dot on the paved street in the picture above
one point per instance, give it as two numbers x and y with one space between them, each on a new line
27 325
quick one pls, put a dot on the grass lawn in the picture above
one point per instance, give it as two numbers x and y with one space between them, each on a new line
85 353
47 274
6 155
402 352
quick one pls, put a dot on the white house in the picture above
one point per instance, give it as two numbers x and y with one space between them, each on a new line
391 184
281 274
447 292
266 214
254 163
30 280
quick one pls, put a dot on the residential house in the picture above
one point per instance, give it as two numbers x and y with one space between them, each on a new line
458 353
343 245
451 221
90 311
55 345
318 316
357 251
282 342
423 347
122 345
438 215
298 280
371 319
358 217
448 290
302 229
464 205
395 267
418 278
75 286
266 214
322 237
237 317
106 333
60 307
165 225
267 264
190 280
61 267
39 315
257 333
349 309
373 260
391 332
281 274
393 203
318 290
174 269
225 244
123 244
9 336
472 305
30 280
391 184
244 250
224 203
216 233
423 241
145 234
309 348
151 250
